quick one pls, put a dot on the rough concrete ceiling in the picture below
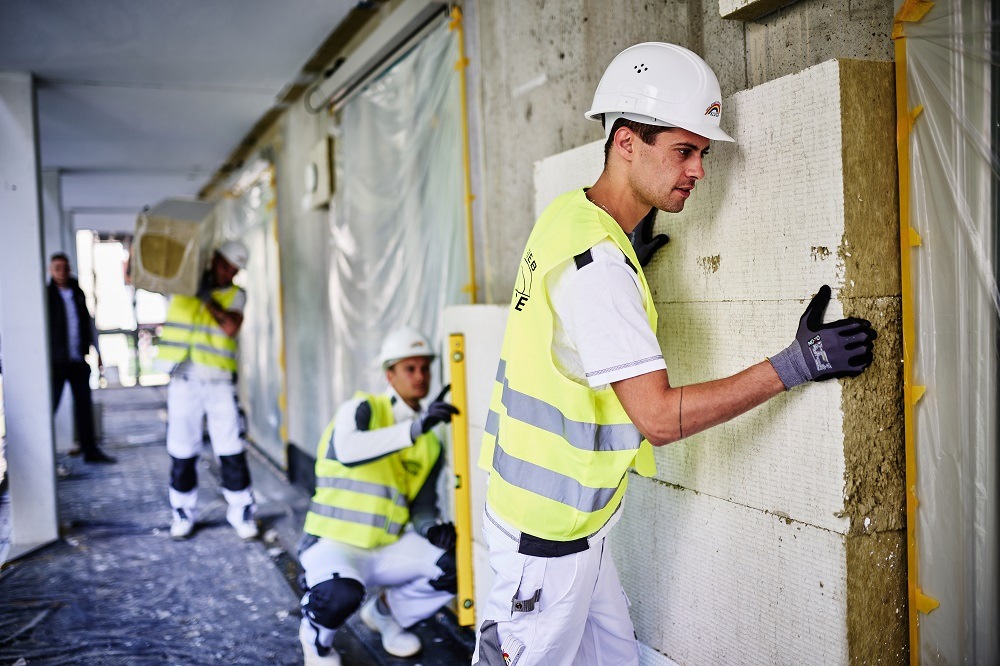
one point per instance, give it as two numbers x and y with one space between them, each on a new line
138 101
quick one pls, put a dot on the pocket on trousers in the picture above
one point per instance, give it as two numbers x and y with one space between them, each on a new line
493 651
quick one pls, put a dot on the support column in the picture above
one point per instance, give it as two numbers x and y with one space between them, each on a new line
23 319
58 237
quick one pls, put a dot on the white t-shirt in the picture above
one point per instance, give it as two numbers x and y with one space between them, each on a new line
72 324
601 333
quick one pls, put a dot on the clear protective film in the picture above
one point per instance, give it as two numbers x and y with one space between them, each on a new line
249 215
951 63
399 245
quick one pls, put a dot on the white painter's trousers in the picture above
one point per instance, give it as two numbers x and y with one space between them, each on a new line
188 400
553 611
404 568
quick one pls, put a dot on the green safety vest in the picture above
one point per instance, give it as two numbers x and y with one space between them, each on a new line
558 452
369 505
191 331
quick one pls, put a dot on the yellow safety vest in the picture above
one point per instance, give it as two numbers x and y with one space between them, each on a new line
369 505
190 330
558 451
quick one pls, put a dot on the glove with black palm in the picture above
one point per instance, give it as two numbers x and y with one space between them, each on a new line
442 536
437 412
204 293
643 241
841 348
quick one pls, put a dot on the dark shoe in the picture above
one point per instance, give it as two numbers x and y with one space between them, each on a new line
98 456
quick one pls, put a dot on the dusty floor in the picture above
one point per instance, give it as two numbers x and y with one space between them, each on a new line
115 589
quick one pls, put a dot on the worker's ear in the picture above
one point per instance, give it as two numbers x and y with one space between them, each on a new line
623 143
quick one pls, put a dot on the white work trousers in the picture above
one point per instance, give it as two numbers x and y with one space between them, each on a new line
188 400
404 568
553 611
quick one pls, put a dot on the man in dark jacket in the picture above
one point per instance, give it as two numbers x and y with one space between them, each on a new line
71 333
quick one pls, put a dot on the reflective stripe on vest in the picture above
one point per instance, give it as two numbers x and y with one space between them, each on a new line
191 331
372 520
368 505
584 436
559 450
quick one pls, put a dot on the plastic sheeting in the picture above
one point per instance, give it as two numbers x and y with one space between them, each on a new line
951 65
398 230
250 216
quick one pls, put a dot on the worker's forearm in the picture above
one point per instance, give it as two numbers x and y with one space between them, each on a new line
353 446
711 403
664 414
229 322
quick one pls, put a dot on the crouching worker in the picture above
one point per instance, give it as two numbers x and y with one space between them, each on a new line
377 467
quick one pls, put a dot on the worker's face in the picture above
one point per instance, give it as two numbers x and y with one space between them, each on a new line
59 270
222 271
664 173
410 378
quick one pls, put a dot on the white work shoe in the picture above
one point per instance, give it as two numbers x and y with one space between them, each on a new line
182 524
395 640
315 654
241 518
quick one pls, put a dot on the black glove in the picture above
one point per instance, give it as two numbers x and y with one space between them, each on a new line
438 411
442 536
821 351
643 241
204 292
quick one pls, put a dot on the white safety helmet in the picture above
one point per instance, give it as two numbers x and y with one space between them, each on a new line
656 83
235 253
403 343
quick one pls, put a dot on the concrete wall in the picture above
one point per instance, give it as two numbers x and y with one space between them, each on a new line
541 61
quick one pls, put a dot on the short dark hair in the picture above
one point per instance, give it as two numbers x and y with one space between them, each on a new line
647 133
59 255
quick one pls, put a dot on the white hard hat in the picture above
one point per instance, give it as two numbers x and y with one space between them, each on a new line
403 343
235 253
660 84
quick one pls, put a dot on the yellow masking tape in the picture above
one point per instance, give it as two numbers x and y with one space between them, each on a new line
911 11
926 604
904 124
463 62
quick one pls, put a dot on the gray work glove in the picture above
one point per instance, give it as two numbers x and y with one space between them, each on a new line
821 351
438 411
643 241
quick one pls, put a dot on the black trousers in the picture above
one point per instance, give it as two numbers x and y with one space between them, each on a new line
77 373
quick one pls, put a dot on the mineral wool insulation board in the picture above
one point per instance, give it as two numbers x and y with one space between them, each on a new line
775 538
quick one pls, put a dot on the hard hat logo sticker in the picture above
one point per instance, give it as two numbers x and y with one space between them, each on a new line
715 110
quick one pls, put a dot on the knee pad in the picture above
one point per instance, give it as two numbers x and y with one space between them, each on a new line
331 602
235 472
448 580
184 474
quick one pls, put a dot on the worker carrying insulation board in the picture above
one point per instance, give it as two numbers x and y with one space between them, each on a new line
582 390
373 525
199 340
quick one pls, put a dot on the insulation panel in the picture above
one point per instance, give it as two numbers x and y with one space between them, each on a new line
770 532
